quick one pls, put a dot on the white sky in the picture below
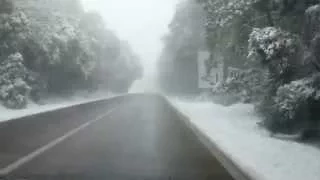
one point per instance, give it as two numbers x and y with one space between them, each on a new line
141 22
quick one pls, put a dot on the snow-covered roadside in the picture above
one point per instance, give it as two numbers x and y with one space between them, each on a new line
236 132
52 104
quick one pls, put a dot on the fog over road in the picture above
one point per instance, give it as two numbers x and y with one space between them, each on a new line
133 137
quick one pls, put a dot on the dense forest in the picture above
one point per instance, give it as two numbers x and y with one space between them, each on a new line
56 48
273 43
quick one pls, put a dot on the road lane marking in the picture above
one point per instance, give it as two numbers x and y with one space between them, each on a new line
20 162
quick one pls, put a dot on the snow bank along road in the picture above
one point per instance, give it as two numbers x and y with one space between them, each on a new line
128 137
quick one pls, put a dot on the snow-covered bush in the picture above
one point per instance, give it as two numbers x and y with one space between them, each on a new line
14 89
293 109
223 94
248 86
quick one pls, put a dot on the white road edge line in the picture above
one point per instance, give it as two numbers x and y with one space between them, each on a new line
20 162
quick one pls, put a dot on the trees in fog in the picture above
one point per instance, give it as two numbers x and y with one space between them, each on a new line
62 48
178 62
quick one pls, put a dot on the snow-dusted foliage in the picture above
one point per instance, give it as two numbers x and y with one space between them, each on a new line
268 34
247 87
14 89
61 49
312 26
13 31
293 108
278 51
221 13
312 38
270 44
289 97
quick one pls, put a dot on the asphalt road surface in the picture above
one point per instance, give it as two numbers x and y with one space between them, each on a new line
137 137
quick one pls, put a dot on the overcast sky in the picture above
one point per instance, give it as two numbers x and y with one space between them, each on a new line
141 22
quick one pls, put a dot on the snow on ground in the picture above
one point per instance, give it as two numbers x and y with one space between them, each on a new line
236 132
52 104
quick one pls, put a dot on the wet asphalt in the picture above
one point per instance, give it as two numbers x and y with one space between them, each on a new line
141 138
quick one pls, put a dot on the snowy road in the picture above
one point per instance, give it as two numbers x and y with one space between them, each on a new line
133 137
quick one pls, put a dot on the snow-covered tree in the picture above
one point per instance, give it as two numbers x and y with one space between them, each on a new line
221 13
14 89
13 31
61 49
229 23
278 51
68 46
